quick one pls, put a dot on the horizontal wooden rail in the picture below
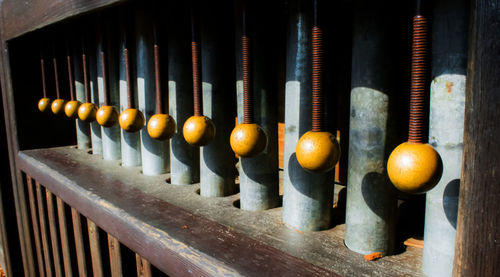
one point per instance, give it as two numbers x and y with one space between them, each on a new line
174 240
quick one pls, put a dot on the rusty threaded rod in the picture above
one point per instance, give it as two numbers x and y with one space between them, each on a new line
44 87
56 77
70 79
317 70
85 79
418 74
104 79
159 106
197 101
130 97
245 58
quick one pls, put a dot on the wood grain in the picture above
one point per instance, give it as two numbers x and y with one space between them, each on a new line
80 250
143 266
95 249
63 230
115 257
43 230
53 234
34 224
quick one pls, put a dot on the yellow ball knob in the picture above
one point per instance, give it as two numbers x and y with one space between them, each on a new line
58 106
198 130
317 151
71 108
161 126
44 104
248 140
414 167
107 116
87 112
131 120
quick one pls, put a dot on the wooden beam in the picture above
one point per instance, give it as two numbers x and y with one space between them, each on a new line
477 248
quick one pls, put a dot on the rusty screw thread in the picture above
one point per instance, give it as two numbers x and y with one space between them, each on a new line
159 106
196 79
44 88
85 78
247 91
70 79
104 79
56 77
418 73
317 68
130 98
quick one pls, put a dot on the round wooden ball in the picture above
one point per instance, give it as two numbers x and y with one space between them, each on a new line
248 140
71 108
107 116
161 126
198 130
318 151
87 112
44 104
414 167
131 120
58 106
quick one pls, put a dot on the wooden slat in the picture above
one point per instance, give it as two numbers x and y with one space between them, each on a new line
95 248
43 230
34 223
53 234
80 250
115 257
63 230
143 266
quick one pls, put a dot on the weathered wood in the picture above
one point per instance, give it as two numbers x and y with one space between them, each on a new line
80 250
143 266
43 230
22 17
34 223
115 258
53 233
477 247
95 248
63 231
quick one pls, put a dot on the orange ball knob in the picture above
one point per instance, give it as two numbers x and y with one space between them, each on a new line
161 126
318 151
43 104
107 116
87 112
58 106
71 108
248 140
198 130
131 120
414 167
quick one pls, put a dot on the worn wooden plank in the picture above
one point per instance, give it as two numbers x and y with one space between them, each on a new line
53 234
174 240
95 249
63 230
115 257
22 17
34 223
80 249
43 230
143 266
477 248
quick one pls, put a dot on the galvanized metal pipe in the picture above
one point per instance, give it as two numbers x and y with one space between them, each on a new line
91 67
217 161
155 155
307 196
82 128
371 199
446 127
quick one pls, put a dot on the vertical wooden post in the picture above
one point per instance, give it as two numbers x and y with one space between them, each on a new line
95 248
54 238
63 230
115 257
43 230
34 223
143 266
477 246
80 250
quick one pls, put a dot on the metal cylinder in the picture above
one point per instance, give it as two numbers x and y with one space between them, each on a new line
446 127
155 156
82 128
307 197
110 136
259 188
371 199
184 158
217 160
95 128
